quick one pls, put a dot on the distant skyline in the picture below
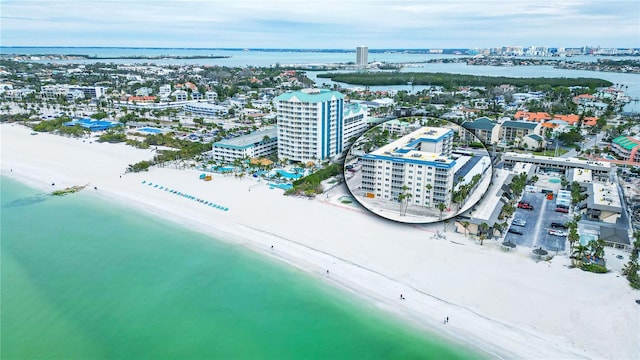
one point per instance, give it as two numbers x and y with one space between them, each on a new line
320 24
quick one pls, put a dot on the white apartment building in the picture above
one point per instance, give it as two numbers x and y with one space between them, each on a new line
261 143
355 122
164 91
310 124
205 109
362 56
180 95
55 91
211 95
419 161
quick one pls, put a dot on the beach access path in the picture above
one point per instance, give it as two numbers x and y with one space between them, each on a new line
504 303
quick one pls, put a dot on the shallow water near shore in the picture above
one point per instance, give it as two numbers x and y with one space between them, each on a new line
82 278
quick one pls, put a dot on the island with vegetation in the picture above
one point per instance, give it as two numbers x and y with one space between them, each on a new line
68 190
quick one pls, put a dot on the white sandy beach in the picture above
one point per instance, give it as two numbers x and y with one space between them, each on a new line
505 303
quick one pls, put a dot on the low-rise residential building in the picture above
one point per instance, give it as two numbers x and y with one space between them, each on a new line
205 109
515 131
598 169
627 148
180 95
165 91
485 129
398 126
418 164
263 143
603 203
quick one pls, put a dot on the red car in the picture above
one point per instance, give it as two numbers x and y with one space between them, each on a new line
562 210
525 205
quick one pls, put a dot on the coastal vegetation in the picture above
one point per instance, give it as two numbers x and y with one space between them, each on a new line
68 190
453 80
57 126
139 166
311 184
630 269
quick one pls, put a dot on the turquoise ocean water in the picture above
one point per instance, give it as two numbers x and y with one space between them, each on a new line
85 279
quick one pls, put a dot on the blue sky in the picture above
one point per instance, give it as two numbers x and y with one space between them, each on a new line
320 24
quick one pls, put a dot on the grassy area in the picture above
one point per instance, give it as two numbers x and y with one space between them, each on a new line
549 152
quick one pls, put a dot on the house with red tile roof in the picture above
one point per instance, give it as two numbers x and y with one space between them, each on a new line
142 99
532 116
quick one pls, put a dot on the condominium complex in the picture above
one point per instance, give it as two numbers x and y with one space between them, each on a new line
417 164
257 144
89 92
315 124
362 56
627 148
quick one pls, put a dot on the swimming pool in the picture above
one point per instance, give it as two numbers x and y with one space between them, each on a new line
149 130
586 238
223 169
281 186
554 180
288 175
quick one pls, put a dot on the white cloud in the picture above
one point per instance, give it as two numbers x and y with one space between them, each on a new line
328 23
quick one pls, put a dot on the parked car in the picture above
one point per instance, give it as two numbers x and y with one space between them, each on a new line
515 231
525 205
557 225
519 222
558 233
562 210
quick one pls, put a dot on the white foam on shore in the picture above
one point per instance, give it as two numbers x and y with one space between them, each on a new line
504 303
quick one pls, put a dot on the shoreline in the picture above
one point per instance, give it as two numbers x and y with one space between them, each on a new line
372 258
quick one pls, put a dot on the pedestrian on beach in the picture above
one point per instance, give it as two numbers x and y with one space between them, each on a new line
447 319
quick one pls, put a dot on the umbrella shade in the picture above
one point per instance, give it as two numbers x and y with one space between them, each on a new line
508 244
540 251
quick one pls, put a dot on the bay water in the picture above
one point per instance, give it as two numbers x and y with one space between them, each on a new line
87 279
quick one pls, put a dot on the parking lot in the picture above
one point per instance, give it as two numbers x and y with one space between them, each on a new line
536 232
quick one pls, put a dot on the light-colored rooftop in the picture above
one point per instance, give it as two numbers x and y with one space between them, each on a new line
406 146
605 195
310 95
245 141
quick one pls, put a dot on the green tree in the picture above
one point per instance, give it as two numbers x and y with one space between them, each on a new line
441 206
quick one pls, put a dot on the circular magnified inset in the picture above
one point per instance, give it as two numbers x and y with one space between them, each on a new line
418 171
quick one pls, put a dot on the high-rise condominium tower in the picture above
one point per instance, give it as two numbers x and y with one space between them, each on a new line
362 54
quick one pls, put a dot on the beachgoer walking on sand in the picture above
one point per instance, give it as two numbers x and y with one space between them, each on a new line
447 319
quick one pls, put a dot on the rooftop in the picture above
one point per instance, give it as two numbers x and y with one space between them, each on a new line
520 124
482 123
407 147
310 95
245 141
626 142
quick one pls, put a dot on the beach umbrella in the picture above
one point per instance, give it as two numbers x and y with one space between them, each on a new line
540 252
509 244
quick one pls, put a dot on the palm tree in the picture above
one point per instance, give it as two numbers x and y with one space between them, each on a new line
579 253
484 227
597 248
441 206
465 225
573 237
403 198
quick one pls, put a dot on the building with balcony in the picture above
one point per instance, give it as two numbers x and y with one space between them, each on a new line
485 129
257 144
310 124
205 109
627 148
418 164
515 131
